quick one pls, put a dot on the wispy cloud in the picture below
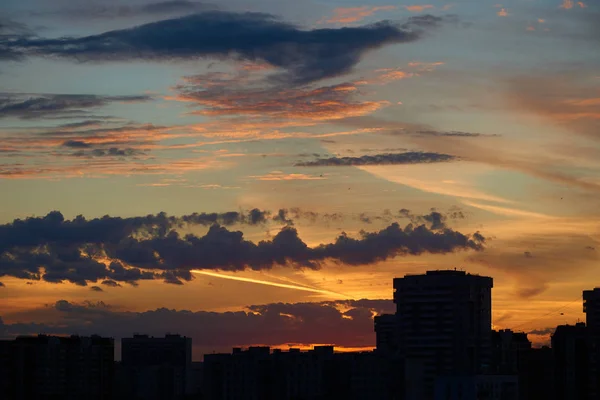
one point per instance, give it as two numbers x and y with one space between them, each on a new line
354 14
381 159
281 176
419 8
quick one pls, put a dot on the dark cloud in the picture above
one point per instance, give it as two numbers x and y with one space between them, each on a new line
109 152
55 250
542 332
112 11
410 157
76 144
39 106
527 292
343 323
10 32
110 283
306 55
96 289
450 133
2 284
83 124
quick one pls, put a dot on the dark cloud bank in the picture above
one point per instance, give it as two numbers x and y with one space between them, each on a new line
56 250
410 157
305 55
112 11
38 106
267 324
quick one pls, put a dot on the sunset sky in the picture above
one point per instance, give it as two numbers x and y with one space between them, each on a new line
257 172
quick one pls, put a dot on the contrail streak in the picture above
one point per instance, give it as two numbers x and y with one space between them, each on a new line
268 283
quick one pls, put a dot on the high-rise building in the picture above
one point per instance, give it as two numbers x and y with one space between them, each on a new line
445 320
591 307
48 367
386 333
571 360
155 368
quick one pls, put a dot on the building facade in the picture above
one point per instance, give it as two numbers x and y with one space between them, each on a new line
591 307
444 320
49 367
571 360
155 368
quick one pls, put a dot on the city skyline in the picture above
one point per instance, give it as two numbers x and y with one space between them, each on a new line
261 171
438 344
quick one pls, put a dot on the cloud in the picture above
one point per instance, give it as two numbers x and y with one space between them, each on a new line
419 8
450 133
502 13
110 152
116 165
380 159
39 106
568 100
305 55
542 332
132 249
567 4
10 31
308 104
280 176
535 260
354 14
112 11
343 323
96 289
2 284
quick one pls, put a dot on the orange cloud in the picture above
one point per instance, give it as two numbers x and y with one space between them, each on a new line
96 169
581 4
567 4
502 13
312 104
419 8
354 14
280 176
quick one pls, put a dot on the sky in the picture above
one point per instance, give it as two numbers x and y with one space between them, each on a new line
257 173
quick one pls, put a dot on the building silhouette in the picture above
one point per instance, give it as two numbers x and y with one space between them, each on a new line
591 307
571 357
445 320
154 368
439 345
52 368
261 374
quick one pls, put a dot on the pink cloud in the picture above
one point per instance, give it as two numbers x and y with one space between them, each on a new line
354 14
419 8
567 4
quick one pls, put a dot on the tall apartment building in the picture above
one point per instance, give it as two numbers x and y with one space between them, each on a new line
571 360
154 368
591 307
48 367
445 321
